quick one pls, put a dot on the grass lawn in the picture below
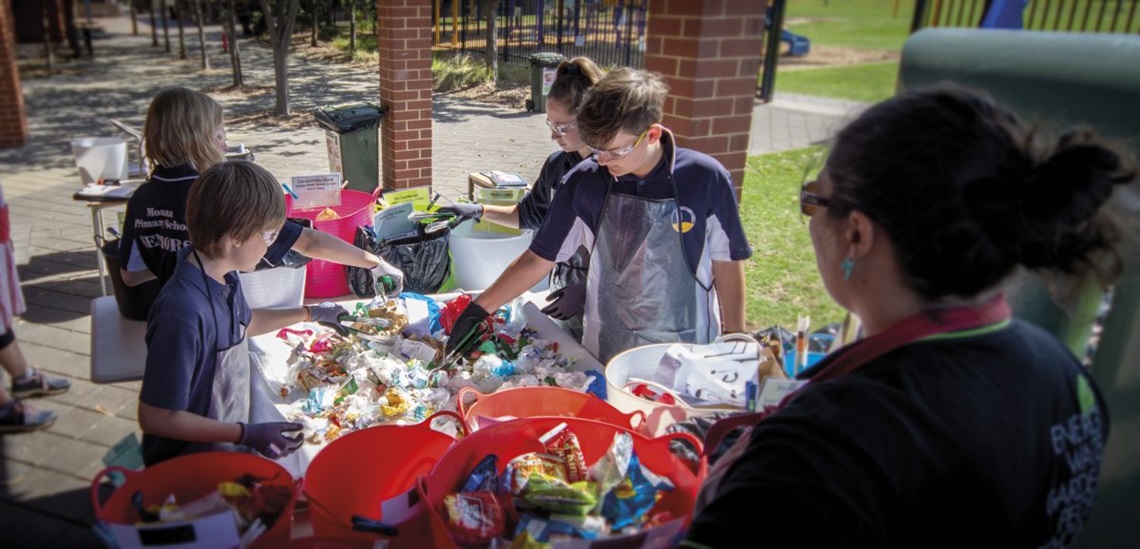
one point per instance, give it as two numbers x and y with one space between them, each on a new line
866 82
782 281
865 24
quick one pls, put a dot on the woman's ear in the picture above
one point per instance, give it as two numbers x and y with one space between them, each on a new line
860 235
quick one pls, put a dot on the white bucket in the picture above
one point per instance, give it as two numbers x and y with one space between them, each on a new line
642 362
479 257
100 157
277 288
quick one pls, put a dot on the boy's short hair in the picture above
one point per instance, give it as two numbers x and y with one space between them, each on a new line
626 99
179 129
236 200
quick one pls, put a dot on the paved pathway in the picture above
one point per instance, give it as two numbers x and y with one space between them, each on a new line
45 476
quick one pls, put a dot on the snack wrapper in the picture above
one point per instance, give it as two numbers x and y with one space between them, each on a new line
473 517
629 503
485 476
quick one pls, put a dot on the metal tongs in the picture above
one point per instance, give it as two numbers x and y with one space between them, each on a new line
467 343
344 330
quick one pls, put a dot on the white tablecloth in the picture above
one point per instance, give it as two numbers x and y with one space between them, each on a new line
267 351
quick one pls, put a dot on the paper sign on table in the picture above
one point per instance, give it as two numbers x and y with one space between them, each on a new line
315 191
392 222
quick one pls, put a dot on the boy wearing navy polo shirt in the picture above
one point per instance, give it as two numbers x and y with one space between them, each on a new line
662 223
195 391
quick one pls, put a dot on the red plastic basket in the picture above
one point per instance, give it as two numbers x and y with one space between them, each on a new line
325 278
516 437
523 402
338 485
191 477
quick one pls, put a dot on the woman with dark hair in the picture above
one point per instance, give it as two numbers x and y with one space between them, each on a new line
568 280
950 424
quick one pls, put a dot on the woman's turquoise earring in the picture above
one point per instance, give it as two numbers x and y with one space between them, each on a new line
847 265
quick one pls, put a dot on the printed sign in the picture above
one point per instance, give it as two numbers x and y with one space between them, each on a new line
315 191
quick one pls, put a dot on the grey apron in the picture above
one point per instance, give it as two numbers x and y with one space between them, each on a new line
230 393
641 290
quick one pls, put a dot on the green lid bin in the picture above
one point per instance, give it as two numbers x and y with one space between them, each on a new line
543 66
353 144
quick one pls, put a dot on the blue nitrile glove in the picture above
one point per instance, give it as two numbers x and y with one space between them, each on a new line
464 210
272 439
468 319
388 280
326 313
566 302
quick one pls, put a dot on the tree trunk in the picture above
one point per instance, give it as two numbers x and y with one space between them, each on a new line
166 26
49 57
313 4
351 27
178 5
201 35
134 18
280 24
153 26
235 56
493 38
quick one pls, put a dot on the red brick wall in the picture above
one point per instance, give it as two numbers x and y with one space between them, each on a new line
709 52
13 120
404 44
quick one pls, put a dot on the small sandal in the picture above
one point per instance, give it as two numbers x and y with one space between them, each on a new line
17 417
35 383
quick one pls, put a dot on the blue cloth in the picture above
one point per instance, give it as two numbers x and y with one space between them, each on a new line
191 320
706 198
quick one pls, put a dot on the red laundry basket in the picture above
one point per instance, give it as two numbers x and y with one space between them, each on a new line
325 278
542 401
358 471
516 437
188 478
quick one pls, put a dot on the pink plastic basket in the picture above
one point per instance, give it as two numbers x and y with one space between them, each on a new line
324 278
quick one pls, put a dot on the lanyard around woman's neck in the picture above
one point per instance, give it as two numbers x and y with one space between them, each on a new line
926 324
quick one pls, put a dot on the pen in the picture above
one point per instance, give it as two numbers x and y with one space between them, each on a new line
801 344
290 191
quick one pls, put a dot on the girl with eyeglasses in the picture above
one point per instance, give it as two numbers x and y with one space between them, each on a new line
950 424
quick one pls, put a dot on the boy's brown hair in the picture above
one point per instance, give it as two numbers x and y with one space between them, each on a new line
235 200
625 99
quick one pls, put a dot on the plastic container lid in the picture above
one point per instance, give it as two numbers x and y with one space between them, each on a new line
348 117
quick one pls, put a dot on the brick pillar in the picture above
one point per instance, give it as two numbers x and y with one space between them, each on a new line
13 119
709 52
404 46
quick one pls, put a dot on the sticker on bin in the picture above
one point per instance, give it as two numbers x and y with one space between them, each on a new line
316 190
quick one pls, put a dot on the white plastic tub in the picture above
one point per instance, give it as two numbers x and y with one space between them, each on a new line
479 257
642 362
277 288
100 157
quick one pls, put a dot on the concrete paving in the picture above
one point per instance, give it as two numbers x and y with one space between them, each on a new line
45 476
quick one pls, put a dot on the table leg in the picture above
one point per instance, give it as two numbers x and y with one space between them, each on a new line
97 226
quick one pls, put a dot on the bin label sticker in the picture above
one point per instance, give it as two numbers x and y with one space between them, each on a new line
316 191
548 74
332 142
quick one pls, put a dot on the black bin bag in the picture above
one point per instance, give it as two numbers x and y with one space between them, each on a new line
423 258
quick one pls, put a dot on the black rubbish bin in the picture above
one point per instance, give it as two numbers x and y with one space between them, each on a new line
134 302
353 145
543 66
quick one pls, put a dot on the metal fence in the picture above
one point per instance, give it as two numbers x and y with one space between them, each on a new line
611 32
1119 16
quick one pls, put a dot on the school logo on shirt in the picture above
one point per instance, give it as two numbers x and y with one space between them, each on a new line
683 220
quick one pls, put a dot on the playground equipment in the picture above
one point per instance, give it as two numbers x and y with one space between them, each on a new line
797 45
1065 79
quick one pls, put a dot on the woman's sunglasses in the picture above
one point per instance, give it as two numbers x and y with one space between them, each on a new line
810 200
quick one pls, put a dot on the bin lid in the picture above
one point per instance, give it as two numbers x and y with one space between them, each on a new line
348 117
546 59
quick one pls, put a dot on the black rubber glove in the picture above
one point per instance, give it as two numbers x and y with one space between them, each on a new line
464 210
271 440
326 313
471 317
566 302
